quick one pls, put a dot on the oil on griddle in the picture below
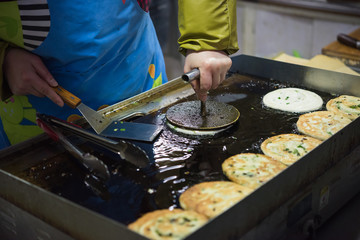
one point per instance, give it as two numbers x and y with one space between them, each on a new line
178 161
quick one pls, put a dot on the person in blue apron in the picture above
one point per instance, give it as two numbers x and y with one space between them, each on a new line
101 51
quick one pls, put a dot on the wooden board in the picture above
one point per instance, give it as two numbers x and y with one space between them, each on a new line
350 56
318 61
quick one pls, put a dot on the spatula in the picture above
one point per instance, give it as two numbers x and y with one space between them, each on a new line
97 121
104 126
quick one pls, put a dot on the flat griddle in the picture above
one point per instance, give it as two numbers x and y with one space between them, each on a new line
179 161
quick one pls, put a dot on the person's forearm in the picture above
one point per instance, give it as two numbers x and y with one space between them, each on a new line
207 25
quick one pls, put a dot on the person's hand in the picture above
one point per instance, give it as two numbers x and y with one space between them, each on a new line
213 66
26 74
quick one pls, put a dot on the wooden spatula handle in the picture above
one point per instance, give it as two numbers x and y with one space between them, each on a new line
69 98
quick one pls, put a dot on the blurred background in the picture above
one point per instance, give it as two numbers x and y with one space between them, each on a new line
267 28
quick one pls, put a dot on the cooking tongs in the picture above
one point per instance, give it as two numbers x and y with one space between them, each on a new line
89 161
126 150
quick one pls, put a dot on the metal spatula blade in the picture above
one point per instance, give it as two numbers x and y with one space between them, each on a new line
132 131
105 126
97 121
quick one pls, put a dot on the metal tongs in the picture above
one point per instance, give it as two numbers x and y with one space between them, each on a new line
126 150
89 161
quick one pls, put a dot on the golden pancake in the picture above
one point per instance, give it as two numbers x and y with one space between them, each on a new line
251 169
168 224
212 198
349 106
288 148
321 124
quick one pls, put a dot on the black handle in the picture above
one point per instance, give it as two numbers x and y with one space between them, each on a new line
349 41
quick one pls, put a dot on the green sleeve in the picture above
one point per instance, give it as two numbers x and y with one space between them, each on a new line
5 91
207 25
10 35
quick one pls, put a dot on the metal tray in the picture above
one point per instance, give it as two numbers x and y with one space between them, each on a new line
289 200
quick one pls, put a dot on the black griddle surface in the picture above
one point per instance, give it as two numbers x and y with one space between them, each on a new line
178 161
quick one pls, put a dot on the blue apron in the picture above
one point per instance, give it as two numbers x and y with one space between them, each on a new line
101 51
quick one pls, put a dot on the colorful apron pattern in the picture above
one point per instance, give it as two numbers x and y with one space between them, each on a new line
102 51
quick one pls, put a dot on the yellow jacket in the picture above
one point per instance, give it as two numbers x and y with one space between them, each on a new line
203 25
208 25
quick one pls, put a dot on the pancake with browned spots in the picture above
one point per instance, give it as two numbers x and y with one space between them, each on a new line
168 224
321 124
288 148
213 198
251 169
349 106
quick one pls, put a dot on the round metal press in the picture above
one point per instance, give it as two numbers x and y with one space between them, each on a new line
188 115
